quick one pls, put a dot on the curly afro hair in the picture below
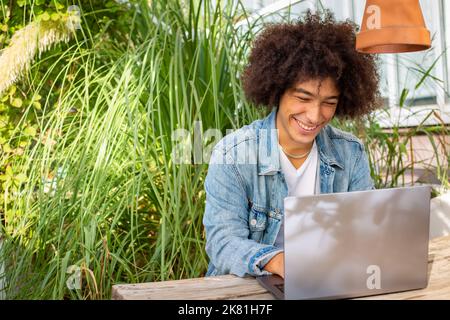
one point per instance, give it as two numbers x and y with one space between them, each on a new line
315 47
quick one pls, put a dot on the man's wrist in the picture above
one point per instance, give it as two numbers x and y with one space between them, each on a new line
275 264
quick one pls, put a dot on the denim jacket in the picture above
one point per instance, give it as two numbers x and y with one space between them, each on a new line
245 189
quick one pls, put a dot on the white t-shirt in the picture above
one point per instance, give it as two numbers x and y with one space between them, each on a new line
300 182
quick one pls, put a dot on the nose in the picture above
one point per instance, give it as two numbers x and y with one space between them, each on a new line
313 115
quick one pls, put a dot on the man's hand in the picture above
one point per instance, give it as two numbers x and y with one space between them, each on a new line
276 265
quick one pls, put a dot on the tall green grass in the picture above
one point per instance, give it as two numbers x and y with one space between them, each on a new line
103 198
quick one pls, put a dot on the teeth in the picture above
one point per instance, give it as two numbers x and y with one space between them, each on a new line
305 127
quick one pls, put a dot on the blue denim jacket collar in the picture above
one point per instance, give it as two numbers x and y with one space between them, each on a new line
270 163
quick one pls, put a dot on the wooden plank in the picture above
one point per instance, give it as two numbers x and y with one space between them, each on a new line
232 287
219 287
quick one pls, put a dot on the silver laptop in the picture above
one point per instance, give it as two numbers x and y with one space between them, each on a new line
343 245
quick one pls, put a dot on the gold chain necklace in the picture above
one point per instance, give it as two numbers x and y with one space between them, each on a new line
295 156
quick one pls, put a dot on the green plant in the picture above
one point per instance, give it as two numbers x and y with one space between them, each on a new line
391 150
39 31
100 190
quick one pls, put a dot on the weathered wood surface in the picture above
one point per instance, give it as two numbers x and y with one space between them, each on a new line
230 287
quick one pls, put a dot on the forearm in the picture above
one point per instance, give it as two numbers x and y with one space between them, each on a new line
236 255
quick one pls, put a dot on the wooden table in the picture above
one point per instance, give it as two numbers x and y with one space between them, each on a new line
230 287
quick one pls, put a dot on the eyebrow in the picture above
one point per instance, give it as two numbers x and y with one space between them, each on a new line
300 90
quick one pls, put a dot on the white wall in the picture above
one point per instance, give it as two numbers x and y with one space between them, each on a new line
440 216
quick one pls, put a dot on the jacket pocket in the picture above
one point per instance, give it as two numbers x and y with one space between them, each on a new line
257 222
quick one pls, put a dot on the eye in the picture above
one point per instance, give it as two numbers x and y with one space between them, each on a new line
302 99
331 104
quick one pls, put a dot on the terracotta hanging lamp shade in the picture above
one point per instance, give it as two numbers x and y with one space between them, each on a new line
392 26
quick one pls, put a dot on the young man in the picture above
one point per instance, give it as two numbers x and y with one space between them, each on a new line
308 72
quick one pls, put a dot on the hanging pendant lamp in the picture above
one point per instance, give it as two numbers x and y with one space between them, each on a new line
392 26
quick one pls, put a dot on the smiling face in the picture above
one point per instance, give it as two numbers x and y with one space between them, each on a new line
303 111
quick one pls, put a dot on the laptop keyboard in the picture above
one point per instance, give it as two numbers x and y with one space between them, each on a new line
280 287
